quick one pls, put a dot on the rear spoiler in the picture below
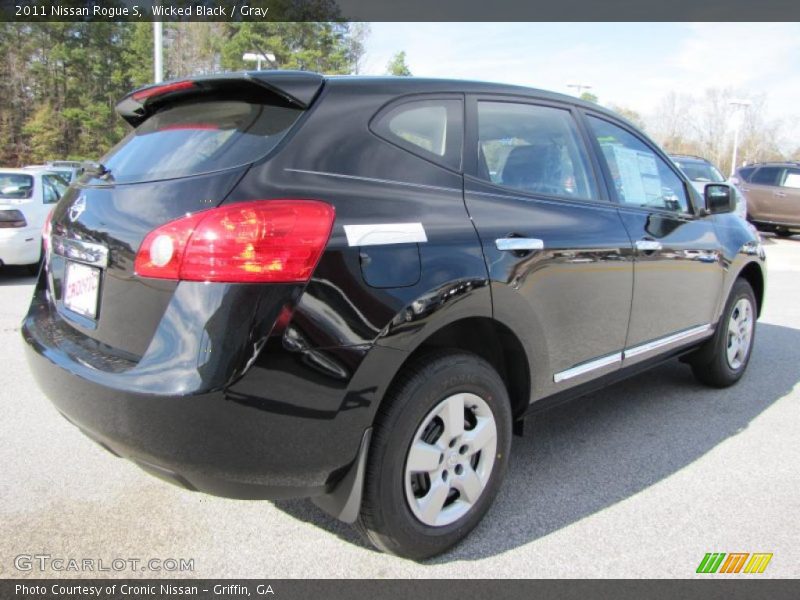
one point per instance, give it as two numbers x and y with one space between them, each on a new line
296 88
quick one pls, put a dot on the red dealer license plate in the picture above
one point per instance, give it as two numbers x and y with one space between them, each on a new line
81 285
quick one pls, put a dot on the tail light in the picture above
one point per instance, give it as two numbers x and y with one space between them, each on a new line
47 230
12 219
276 241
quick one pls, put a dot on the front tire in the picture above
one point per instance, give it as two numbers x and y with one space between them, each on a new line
439 452
723 360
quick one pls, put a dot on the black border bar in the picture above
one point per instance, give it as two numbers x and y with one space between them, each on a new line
399 10
715 587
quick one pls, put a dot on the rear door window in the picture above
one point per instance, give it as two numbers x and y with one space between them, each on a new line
533 148
431 128
767 176
198 137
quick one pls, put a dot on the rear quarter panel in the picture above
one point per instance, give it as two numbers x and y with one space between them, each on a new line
335 157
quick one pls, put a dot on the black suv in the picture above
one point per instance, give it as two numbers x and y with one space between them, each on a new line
282 284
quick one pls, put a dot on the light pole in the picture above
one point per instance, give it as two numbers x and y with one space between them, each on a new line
737 104
158 51
258 57
579 87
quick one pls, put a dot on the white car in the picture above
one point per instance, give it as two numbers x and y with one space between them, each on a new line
69 170
26 198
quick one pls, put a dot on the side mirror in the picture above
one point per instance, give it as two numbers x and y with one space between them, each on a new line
719 198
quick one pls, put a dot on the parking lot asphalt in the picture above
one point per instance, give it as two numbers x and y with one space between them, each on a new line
640 480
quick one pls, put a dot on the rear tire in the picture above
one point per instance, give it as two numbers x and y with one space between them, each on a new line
438 455
33 268
724 358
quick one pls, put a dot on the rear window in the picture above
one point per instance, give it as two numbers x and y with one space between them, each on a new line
698 171
16 186
196 138
792 179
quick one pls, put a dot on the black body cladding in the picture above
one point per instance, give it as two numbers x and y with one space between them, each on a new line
266 390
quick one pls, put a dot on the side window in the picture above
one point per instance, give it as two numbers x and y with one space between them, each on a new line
641 177
767 176
53 188
431 128
792 179
533 148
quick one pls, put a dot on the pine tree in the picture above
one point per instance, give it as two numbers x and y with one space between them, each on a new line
398 66
44 135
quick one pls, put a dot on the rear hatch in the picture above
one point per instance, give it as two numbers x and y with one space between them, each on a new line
193 142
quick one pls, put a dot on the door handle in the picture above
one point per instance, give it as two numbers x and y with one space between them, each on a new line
648 245
519 243
779 194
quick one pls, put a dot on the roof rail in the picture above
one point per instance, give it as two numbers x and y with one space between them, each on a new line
770 162
690 156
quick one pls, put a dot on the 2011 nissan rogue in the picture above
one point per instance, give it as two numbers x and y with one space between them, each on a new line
281 284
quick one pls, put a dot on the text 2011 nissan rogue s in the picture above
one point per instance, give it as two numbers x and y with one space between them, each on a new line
282 284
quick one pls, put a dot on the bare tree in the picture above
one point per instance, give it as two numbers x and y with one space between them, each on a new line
670 126
629 114
713 126
359 32
759 139
703 125
192 49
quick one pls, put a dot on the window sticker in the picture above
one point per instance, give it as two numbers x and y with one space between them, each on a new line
639 181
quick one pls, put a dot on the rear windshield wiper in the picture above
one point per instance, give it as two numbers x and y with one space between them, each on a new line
96 169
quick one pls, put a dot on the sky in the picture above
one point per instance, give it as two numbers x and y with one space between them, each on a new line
633 65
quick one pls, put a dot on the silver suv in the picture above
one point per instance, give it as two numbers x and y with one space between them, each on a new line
700 172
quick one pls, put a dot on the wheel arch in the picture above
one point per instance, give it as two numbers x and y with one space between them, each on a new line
492 341
753 274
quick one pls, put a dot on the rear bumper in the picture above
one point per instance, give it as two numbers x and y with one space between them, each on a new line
20 246
199 442
288 427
